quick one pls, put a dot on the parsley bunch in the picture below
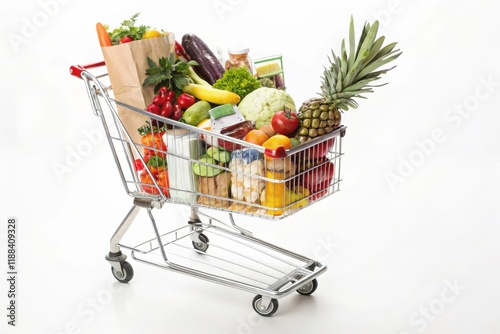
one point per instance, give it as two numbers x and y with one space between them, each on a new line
127 28
169 72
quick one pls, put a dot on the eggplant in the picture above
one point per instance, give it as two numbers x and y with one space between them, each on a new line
210 68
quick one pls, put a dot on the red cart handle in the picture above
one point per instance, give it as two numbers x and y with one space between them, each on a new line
278 152
76 70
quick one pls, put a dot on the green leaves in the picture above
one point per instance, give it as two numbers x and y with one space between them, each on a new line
350 74
128 28
238 80
169 72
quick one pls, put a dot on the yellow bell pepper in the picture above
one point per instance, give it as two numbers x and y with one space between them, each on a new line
297 197
275 193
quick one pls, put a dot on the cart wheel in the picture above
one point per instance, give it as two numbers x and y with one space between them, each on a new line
127 272
308 288
271 309
202 245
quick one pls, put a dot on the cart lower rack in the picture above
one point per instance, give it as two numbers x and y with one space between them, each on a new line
170 162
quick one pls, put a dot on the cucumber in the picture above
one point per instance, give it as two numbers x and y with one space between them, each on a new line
219 155
209 67
203 168
197 113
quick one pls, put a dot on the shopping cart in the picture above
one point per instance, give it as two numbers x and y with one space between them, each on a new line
253 181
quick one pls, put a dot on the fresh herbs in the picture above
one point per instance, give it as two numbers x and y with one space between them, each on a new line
128 28
170 72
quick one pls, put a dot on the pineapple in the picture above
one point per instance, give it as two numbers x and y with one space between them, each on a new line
347 77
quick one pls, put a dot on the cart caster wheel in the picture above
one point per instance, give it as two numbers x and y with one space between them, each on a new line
127 272
201 245
308 288
258 307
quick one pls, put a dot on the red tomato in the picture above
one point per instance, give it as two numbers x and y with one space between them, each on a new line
160 98
170 95
177 112
167 109
185 100
126 39
285 122
153 108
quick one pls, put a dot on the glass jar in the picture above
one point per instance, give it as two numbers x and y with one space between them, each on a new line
239 57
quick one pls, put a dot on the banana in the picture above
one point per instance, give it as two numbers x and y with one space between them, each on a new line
212 95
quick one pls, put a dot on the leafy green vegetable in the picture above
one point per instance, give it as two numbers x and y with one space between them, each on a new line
237 80
169 72
127 28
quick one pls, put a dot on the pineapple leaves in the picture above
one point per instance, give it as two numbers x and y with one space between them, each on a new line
374 50
351 74
364 48
352 43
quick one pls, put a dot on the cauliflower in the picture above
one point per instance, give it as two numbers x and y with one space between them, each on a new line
261 104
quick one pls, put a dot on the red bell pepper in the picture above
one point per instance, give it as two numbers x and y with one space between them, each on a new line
152 141
163 182
319 150
180 52
318 178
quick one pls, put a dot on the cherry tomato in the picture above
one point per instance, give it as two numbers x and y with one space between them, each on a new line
185 100
126 39
160 99
177 112
285 122
167 110
170 95
154 109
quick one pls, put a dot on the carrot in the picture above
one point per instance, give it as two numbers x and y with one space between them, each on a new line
103 35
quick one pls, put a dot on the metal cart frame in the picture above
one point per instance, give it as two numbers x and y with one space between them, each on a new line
210 249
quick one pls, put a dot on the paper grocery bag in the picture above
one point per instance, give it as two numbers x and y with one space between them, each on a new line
127 64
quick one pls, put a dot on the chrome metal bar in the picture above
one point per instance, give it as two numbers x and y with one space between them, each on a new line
236 227
250 245
122 229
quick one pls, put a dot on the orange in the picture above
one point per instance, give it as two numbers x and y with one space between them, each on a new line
257 137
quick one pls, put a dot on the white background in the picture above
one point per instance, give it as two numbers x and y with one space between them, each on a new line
411 241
